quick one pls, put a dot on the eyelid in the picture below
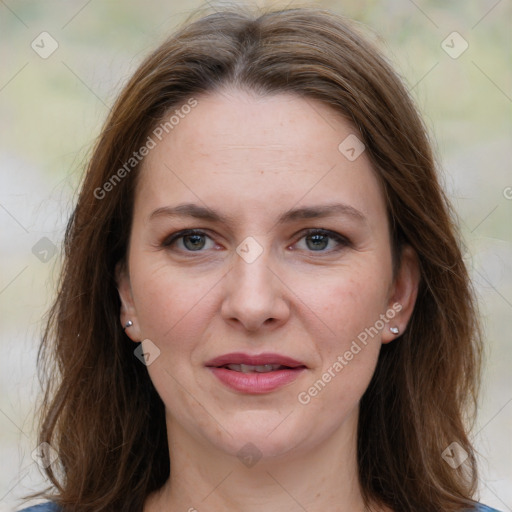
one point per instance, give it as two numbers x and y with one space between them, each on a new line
169 240
342 240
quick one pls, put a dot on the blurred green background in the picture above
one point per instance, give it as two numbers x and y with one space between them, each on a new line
51 110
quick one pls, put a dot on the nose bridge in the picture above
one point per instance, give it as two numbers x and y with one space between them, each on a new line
253 294
250 266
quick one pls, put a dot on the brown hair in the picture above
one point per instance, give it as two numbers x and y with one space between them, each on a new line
100 410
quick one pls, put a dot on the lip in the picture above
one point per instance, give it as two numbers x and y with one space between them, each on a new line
255 383
255 360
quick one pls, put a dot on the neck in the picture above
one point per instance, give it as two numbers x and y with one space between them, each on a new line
315 479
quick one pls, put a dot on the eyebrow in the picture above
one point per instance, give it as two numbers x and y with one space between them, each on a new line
307 212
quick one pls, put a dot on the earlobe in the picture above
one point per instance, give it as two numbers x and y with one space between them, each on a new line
403 293
128 313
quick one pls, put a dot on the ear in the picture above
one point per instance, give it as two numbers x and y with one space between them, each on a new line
128 311
403 293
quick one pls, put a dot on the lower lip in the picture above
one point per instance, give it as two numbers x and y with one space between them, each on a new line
256 383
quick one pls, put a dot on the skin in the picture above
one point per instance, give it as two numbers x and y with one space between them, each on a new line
252 158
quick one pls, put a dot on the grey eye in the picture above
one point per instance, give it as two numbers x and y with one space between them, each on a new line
194 242
318 242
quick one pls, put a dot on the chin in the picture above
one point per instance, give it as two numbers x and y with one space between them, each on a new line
262 435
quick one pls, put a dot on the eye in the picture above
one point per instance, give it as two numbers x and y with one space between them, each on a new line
192 240
317 240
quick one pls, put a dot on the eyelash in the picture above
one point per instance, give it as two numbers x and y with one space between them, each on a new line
340 239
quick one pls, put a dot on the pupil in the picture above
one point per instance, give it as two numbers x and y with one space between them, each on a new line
197 241
319 240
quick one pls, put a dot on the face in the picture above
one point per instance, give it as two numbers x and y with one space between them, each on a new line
269 316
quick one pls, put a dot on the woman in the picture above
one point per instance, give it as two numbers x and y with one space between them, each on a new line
262 217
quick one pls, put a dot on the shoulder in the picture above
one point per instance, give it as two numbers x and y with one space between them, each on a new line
42 507
52 507
483 508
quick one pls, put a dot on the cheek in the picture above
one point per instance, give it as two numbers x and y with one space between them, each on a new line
173 309
350 310
167 301
348 350
351 302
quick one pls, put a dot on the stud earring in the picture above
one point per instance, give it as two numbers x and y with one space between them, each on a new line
128 324
394 330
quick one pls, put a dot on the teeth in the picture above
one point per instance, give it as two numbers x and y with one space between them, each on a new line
249 368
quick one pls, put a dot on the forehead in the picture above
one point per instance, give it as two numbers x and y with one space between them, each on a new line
237 149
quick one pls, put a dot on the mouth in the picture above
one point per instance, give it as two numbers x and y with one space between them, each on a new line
248 363
263 368
255 374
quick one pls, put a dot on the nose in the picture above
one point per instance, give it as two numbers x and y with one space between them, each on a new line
254 295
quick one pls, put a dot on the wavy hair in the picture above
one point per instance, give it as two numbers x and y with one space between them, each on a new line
99 409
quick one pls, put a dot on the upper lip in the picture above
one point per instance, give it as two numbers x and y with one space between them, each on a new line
254 360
